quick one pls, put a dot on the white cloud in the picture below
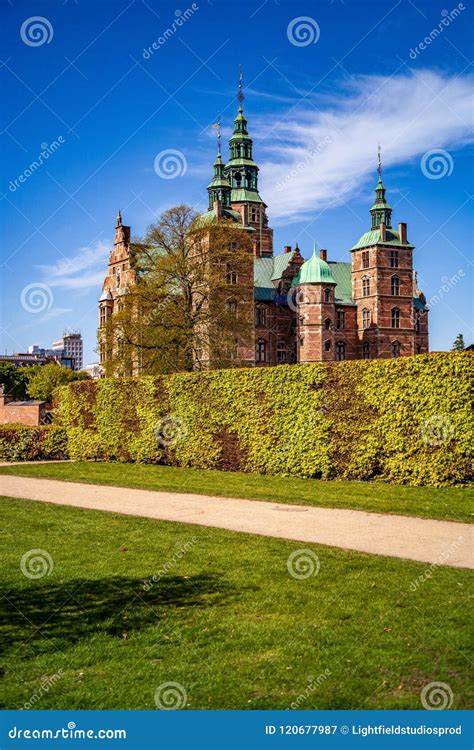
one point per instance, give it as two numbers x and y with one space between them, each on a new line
83 270
408 114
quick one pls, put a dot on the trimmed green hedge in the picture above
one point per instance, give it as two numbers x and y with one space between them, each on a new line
21 443
405 420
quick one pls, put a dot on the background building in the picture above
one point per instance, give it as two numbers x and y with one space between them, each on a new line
71 346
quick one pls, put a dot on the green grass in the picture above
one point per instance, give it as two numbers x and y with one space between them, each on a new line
452 503
227 621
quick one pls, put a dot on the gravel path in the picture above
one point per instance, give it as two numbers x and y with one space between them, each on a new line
433 542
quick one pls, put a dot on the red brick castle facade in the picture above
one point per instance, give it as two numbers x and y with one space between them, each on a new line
306 311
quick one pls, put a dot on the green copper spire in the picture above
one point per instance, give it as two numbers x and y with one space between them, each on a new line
381 211
314 271
219 187
241 169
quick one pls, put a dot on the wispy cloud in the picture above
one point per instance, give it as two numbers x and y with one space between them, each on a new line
83 270
313 159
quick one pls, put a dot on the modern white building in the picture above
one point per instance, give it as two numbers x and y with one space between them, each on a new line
72 347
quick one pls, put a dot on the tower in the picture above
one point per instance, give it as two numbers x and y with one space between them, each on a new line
219 189
242 174
382 284
315 309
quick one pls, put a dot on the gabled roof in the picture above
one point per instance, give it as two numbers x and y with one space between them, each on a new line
240 195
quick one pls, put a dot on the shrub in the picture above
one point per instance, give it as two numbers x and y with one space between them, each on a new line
22 443
406 420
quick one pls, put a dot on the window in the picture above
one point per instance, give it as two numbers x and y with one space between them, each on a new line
261 351
253 215
365 259
327 346
340 351
395 286
327 324
365 286
231 275
327 295
395 317
103 316
396 349
340 319
366 350
261 316
418 349
282 353
365 318
417 322
394 258
232 307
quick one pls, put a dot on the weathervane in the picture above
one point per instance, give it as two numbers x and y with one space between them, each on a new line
240 93
217 125
379 163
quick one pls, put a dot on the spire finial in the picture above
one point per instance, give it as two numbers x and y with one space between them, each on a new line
379 162
217 125
240 93
119 218
314 249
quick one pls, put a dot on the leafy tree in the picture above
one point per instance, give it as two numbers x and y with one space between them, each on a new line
458 344
192 304
15 379
47 378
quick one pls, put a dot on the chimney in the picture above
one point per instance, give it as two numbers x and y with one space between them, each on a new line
323 254
402 233
383 233
287 249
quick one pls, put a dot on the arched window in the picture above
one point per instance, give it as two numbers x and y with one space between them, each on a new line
365 317
231 305
396 349
340 319
395 286
327 295
261 351
231 275
327 324
365 286
395 317
418 349
366 350
340 351
327 346
417 322
282 352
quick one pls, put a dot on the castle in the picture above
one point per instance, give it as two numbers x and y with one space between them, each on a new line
305 311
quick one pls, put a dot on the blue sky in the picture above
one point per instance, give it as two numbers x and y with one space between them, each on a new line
324 83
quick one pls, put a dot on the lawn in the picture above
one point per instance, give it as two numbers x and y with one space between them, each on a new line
225 620
452 503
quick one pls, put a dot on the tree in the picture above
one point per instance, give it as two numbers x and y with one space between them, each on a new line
15 379
192 304
458 345
47 378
